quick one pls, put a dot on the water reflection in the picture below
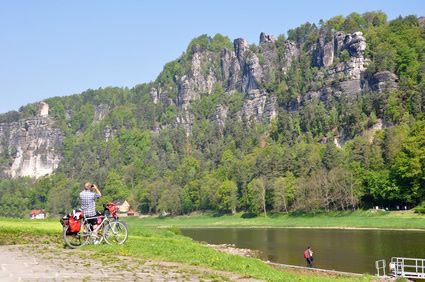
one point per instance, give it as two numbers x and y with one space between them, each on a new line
344 250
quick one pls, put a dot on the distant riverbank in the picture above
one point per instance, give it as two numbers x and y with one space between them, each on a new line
371 219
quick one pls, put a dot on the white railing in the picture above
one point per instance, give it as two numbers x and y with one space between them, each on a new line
403 267
381 265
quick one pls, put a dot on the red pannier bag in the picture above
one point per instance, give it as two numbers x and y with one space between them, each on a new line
65 223
112 208
74 224
99 218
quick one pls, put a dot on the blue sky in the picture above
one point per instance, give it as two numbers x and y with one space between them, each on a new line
59 48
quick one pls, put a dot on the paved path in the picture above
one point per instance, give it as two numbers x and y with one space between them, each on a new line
53 263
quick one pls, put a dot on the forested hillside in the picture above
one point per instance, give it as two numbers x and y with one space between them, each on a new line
329 117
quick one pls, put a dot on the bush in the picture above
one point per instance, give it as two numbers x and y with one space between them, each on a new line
420 210
261 60
175 230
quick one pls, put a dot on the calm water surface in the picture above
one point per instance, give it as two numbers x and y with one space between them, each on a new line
343 250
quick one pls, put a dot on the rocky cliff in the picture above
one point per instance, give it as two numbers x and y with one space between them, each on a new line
248 70
32 145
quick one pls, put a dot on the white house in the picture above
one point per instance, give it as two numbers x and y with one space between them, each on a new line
38 214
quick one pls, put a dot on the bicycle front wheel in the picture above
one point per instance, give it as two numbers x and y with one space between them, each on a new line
116 232
77 239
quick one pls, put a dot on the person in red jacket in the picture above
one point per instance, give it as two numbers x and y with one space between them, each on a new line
308 255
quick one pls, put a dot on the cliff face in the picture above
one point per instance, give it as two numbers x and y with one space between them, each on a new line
33 145
247 71
346 77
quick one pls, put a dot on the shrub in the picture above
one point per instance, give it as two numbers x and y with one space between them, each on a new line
261 60
175 230
419 210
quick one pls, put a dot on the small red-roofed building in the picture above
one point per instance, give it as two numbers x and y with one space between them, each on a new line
38 214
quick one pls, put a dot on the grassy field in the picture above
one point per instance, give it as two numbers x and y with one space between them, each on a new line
158 245
357 219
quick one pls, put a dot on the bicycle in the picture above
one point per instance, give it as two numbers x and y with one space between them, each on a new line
114 231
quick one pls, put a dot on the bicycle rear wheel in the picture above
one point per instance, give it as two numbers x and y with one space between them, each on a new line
77 239
116 232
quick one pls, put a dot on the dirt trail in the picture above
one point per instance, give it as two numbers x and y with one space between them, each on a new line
53 263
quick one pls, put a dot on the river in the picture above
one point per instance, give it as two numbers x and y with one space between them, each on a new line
335 249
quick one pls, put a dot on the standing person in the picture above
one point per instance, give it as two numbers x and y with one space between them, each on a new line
88 204
308 255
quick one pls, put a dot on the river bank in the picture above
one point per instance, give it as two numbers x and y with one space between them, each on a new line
156 246
366 220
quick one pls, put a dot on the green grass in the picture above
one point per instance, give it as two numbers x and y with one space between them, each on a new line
357 219
163 245
21 231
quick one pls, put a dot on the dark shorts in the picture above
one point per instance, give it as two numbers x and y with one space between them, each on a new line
92 221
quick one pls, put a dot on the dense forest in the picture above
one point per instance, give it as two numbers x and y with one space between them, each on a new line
289 163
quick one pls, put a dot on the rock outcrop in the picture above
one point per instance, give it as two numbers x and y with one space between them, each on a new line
338 56
42 109
291 53
100 112
330 43
341 78
108 133
186 120
202 80
220 115
384 80
258 104
69 114
33 145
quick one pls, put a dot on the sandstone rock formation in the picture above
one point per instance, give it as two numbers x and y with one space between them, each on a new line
331 42
258 105
100 112
220 115
384 80
291 53
33 144
248 70
69 114
42 109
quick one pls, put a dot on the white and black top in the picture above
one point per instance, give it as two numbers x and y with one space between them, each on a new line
88 205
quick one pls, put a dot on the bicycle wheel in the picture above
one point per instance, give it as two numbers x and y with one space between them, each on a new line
116 232
77 239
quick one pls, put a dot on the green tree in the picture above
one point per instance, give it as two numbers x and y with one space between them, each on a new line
12 205
114 187
330 155
227 196
171 200
60 200
284 192
409 164
257 190
208 192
